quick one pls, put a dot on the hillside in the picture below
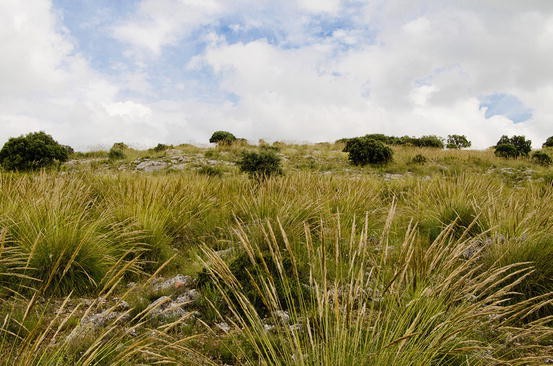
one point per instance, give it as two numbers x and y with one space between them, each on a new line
172 255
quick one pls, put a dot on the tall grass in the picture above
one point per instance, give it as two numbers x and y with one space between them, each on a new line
446 265
373 303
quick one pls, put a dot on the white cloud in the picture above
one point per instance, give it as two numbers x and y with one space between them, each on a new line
158 23
402 67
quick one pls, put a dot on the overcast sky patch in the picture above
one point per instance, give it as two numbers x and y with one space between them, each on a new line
93 72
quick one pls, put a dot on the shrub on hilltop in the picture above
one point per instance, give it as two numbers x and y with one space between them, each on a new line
117 151
513 147
457 142
542 158
364 150
33 151
222 138
548 142
260 165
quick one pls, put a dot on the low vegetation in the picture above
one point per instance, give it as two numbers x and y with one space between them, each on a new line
365 150
435 257
32 152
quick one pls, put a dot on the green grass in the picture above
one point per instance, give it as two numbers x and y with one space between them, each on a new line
441 263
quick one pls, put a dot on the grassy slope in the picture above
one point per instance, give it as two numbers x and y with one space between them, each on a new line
405 264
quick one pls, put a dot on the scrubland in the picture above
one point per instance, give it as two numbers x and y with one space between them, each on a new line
446 261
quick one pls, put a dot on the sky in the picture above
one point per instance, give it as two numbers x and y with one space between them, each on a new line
95 72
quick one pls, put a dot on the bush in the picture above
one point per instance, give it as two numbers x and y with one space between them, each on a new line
457 142
32 151
519 147
260 164
542 158
117 151
418 159
222 138
506 151
161 147
428 141
548 142
363 151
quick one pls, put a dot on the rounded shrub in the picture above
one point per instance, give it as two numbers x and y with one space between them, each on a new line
31 152
261 164
457 142
506 151
513 147
117 151
222 138
542 158
548 142
363 151
161 147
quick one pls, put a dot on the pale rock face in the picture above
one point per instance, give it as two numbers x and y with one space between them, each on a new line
149 166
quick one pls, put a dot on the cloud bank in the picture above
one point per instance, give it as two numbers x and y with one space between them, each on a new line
173 71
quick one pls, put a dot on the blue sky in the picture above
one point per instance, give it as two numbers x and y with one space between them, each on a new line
146 71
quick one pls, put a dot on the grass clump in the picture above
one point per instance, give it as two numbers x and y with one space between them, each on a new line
261 164
368 306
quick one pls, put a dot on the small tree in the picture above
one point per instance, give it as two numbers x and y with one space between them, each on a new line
117 151
429 141
222 138
457 142
363 151
506 151
520 146
542 158
160 147
261 164
548 142
32 151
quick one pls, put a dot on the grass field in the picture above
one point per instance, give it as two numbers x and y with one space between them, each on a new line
446 262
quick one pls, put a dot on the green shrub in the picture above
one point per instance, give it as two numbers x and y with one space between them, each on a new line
428 141
457 142
117 151
418 159
548 142
161 147
222 138
513 147
31 152
363 151
542 158
260 165
506 151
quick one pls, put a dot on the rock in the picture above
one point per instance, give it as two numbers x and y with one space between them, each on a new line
160 302
149 166
173 152
188 297
177 282
281 317
223 326
166 308
103 318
